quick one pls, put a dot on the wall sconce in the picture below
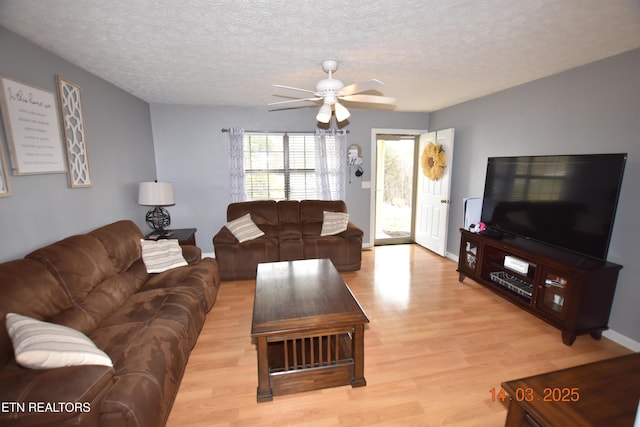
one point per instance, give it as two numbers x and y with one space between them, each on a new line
156 194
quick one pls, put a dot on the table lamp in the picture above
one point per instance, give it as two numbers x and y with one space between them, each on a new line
156 194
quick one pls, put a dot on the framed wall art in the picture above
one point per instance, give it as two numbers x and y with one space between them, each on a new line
5 188
70 97
32 127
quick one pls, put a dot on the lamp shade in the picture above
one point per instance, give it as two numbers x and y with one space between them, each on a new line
156 194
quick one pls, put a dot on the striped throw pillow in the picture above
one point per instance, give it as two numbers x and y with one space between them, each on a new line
161 255
244 228
334 223
44 345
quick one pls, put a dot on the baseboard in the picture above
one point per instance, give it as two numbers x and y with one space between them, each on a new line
622 340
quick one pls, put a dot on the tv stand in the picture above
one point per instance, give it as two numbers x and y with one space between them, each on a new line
493 233
568 291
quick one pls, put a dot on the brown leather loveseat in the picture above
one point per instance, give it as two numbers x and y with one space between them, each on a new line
291 232
147 324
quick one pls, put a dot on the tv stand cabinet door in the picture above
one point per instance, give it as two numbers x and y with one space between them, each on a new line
554 293
469 257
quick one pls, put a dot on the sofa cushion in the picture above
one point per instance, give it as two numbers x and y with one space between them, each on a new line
203 277
149 340
44 345
240 260
288 212
345 254
80 386
312 214
121 240
84 272
79 263
161 255
244 229
334 223
264 213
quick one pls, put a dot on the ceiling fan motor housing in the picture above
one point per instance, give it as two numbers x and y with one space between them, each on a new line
328 89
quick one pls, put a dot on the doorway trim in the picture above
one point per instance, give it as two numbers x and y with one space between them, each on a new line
374 171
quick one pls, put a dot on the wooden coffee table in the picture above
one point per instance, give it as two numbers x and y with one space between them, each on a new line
308 328
601 393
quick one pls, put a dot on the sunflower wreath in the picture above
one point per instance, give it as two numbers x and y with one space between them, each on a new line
433 161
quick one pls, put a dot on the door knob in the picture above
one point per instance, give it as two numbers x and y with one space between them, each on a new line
444 201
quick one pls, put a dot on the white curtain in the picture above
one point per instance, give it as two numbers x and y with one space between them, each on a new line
331 160
236 164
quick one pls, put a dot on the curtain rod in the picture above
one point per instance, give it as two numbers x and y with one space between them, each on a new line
274 131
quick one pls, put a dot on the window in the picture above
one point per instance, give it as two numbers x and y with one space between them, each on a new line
280 166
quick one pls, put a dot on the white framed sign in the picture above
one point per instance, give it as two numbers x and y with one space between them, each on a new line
33 129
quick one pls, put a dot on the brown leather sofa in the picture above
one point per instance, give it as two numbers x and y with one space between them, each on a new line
147 324
292 231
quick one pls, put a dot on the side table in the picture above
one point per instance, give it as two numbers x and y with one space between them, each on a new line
185 236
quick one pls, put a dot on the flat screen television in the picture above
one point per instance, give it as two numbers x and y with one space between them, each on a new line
567 201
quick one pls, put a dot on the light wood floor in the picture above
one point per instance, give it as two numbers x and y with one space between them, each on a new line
433 350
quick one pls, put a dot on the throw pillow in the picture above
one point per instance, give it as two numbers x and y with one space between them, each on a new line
44 345
334 223
244 228
161 255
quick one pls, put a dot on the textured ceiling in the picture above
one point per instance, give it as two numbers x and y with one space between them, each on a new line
429 53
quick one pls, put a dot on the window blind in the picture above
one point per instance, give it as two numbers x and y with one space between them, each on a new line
280 166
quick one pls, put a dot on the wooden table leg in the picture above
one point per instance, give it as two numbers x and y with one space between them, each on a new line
515 415
264 384
357 348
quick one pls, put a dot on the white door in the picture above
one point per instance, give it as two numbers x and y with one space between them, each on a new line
432 199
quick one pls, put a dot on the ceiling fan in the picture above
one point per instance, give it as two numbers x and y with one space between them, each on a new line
330 90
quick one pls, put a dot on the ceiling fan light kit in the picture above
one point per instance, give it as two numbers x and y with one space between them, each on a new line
330 90
324 115
342 113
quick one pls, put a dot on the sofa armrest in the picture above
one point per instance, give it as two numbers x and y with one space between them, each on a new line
224 237
192 254
352 231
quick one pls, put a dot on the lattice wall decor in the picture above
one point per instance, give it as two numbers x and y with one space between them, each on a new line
77 154
5 189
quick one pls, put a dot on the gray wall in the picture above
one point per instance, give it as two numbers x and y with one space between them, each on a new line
43 208
591 109
193 153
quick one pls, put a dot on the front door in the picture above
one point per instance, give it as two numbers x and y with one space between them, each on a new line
433 189
394 213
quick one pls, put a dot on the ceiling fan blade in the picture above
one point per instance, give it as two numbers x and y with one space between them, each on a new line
360 87
369 98
293 101
295 88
